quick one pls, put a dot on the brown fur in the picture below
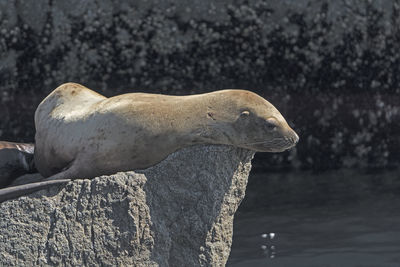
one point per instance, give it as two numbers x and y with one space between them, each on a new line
82 134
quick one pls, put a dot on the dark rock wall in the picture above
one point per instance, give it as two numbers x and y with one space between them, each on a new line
331 67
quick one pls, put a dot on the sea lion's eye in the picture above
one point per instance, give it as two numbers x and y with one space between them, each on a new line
271 124
245 113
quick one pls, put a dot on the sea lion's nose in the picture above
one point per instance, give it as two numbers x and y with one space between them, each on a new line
295 137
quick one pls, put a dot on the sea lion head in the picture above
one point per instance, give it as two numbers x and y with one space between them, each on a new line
256 124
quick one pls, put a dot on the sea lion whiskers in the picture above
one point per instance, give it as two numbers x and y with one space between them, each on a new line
274 144
259 142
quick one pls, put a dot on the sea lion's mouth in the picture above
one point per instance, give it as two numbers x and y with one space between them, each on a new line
273 145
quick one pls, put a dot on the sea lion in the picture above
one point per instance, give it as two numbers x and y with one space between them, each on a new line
82 134
16 159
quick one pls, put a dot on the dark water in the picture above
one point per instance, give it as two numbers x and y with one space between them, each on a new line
359 233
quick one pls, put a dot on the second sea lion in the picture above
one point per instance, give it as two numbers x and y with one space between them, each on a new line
16 159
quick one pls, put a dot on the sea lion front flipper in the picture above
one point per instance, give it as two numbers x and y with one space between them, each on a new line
20 190
64 176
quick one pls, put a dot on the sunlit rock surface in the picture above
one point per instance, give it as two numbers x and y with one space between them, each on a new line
177 213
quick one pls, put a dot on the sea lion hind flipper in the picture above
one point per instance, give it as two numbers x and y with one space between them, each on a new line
20 190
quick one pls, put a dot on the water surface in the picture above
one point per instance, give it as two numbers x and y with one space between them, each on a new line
365 233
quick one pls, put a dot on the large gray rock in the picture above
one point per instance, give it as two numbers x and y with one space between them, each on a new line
177 213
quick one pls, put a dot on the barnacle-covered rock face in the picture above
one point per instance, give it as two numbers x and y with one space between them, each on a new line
330 66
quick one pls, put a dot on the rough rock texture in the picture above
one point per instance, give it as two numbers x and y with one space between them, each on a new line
177 213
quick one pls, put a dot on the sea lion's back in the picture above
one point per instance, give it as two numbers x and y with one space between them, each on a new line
65 102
